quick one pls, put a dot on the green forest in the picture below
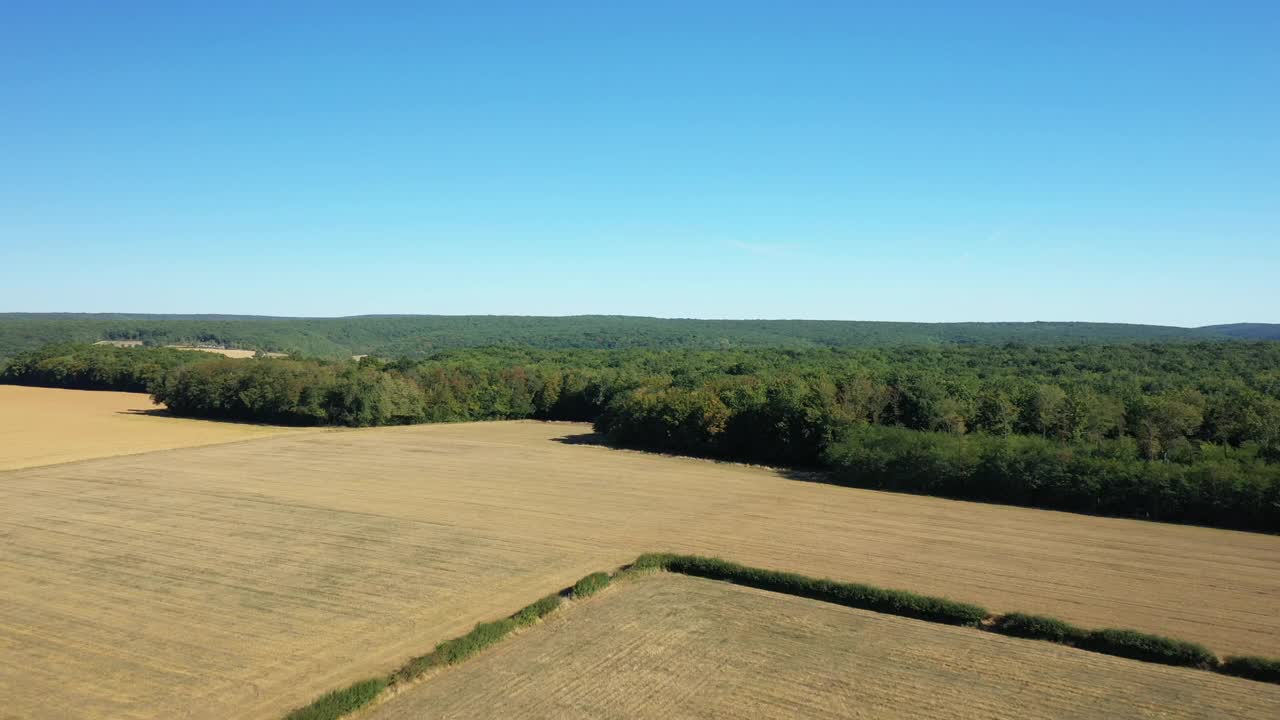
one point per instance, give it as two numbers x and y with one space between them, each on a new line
420 336
96 367
1180 432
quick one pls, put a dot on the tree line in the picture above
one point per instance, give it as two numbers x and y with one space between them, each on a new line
1184 433
96 367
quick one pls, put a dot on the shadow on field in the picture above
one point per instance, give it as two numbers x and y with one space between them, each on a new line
166 413
826 477
801 474
591 438
155 412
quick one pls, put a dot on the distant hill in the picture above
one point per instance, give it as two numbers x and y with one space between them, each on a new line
1244 331
421 335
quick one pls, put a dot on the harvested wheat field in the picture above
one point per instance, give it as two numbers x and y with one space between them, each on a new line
241 580
670 646
228 352
39 426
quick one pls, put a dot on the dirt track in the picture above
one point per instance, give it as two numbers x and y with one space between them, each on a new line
667 646
243 579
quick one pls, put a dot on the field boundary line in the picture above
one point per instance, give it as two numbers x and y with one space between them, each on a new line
1128 644
1124 643
286 432
370 691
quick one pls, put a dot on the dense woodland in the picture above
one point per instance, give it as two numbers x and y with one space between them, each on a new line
96 367
1177 432
420 336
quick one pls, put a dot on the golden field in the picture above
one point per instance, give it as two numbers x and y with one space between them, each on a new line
661 646
227 352
243 579
40 426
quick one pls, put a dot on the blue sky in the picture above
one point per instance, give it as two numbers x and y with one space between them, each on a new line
938 162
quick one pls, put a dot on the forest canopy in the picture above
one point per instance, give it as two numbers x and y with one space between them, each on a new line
419 336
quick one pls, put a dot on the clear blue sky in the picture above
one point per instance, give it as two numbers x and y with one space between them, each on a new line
1109 161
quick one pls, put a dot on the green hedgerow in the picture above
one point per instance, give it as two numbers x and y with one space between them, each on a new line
534 611
1039 627
1253 668
459 648
340 702
484 635
1151 648
893 602
480 637
591 584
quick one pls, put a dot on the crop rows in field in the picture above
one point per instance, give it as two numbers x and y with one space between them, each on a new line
667 645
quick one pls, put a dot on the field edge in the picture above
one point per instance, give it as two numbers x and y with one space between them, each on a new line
1128 644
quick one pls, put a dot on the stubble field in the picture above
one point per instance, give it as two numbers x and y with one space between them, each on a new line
41 426
243 579
669 646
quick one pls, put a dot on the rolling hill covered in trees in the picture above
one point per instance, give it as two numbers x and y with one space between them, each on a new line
417 336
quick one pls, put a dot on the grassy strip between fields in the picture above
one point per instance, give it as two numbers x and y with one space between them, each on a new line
1123 643
1136 646
892 602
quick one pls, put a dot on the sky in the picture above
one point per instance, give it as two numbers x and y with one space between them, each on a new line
1096 161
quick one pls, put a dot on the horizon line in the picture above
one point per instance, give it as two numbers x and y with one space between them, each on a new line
244 316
